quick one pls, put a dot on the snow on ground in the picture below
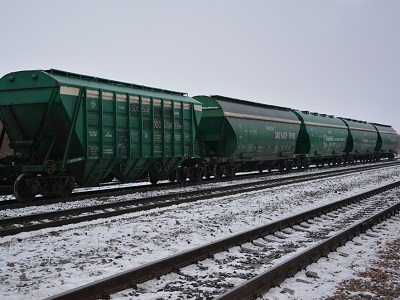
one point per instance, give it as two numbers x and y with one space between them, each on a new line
351 265
38 264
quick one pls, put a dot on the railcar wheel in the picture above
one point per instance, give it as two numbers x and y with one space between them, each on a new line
195 177
281 167
153 180
69 187
306 164
218 172
172 177
230 171
21 188
289 165
181 175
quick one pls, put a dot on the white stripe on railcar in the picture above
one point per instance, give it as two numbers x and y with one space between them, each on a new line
261 118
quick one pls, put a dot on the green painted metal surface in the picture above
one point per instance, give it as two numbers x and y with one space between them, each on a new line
244 130
364 137
321 135
96 127
387 138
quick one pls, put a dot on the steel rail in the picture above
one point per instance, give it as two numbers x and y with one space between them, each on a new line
69 216
130 278
119 191
255 287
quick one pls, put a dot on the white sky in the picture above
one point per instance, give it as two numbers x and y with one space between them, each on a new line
336 57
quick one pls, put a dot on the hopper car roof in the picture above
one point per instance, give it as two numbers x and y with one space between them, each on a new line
248 103
359 125
384 128
321 120
52 77
217 106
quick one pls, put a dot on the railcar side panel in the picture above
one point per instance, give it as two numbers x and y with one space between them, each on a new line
364 138
387 140
321 136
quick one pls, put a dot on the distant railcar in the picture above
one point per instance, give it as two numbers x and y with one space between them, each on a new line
322 139
66 128
240 135
387 140
363 139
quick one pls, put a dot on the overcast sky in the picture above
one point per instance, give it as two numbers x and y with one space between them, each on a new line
336 57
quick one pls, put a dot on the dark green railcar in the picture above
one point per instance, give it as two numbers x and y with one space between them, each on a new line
363 139
66 128
322 139
387 141
242 136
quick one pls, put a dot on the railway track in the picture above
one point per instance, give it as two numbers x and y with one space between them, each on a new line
100 195
125 190
226 268
26 223
260 284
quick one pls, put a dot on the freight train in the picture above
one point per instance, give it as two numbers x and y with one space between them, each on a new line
66 129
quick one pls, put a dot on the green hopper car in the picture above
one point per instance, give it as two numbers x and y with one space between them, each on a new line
363 138
322 139
67 128
240 135
387 140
